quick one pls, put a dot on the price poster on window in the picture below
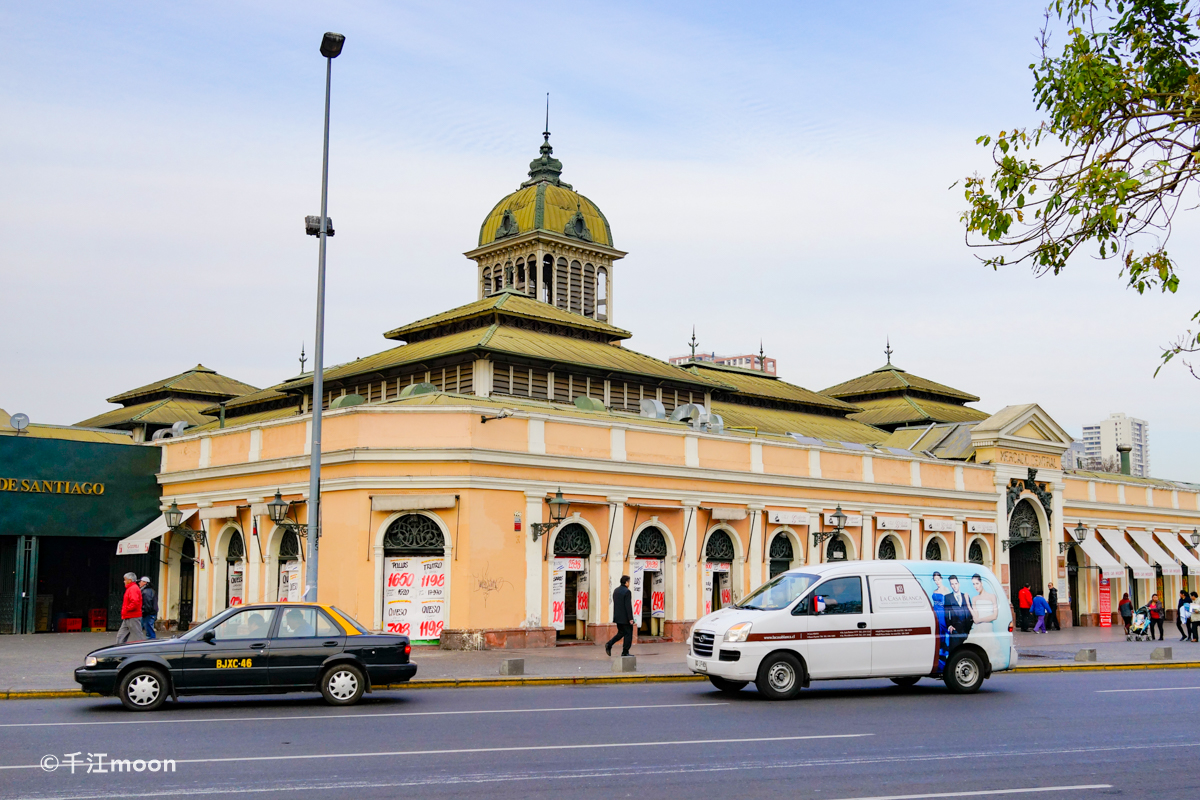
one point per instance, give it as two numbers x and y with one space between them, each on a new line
236 575
583 596
708 586
415 597
289 582
431 598
658 595
637 573
399 594
558 593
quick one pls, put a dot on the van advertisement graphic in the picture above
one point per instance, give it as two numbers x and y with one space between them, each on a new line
969 608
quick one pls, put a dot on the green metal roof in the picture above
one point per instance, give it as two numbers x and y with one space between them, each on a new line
906 410
509 303
890 379
198 380
753 383
784 421
167 411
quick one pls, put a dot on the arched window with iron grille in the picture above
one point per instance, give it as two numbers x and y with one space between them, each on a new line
719 548
573 541
975 553
933 550
414 534
887 549
836 551
780 554
289 546
651 543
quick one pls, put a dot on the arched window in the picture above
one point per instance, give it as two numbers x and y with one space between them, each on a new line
487 281
650 544
781 554
719 548
573 541
531 276
836 551
289 546
887 549
237 547
602 294
589 291
235 570
933 550
561 284
975 553
520 275
414 534
547 278
576 287
508 276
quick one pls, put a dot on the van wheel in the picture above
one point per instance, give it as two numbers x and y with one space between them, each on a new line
905 683
963 673
143 689
727 686
343 685
780 677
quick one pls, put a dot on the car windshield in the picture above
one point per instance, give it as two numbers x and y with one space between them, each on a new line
358 627
779 593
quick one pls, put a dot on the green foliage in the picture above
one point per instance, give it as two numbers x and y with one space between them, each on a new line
1122 129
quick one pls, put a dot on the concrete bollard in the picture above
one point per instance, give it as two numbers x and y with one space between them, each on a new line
1161 654
512 666
624 664
1088 654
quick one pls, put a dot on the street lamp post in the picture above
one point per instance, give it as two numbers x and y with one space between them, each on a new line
331 48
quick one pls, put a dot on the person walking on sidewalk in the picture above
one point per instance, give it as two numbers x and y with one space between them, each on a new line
1182 607
1040 609
623 616
1156 616
1194 617
131 611
149 607
1125 609
1025 601
1052 599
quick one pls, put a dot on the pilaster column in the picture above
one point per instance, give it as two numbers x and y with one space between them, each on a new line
914 537
960 524
755 547
691 510
1001 568
868 536
616 558
1050 544
534 502
814 525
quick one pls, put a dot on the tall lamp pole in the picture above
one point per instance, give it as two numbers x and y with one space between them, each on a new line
331 48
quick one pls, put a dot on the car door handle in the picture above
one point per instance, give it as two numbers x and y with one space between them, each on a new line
258 645
330 644
862 624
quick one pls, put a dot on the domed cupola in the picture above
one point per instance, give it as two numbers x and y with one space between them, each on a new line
547 241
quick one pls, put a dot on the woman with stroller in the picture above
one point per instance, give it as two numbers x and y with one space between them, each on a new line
1156 616
1125 609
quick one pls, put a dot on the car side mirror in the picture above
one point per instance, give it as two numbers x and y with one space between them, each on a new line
209 636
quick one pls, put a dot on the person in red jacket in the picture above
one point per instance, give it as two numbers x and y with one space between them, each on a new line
131 611
1025 600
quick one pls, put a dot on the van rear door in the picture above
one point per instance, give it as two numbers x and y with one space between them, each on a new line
904 631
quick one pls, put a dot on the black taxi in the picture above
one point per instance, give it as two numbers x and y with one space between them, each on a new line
254 649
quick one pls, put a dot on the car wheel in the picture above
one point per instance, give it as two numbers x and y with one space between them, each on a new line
964 672
143 689
727 686
343 685
905 682
780 677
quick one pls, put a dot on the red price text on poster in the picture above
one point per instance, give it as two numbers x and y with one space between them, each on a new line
559 610
433 580
581 601
431 629
658 601
400 579
398 627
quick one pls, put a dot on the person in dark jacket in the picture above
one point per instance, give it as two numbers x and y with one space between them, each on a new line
1179 620
623 616
131 611
1125 609
1052 617
1194 618
149 607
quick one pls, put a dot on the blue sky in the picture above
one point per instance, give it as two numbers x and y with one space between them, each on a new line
776 172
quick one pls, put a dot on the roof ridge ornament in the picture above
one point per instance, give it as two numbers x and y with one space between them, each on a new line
546 167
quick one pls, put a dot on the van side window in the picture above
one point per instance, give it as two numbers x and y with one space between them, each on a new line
840 596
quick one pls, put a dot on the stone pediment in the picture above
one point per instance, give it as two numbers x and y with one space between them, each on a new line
1023 435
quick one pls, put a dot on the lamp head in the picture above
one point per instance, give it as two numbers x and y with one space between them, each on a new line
173 516
278 508
1079 532
838 518
1195 537
331 45
558 507
1024 530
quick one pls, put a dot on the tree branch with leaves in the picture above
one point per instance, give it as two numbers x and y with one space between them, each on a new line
1123 127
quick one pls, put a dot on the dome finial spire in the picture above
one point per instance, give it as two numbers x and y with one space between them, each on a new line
546 167
888 351
546 132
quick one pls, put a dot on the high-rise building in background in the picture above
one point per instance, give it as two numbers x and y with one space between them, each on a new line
1075 457
752 361
1100 442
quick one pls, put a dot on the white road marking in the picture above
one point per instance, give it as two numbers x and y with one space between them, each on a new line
1152 689
351 716
985 792
514 749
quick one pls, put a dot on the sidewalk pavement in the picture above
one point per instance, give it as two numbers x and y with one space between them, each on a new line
46 662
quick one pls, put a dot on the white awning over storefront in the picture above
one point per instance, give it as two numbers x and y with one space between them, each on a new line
1178 549
1157 555
1124 550
1101 557
139 543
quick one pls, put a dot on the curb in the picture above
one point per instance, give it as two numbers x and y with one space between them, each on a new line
596 680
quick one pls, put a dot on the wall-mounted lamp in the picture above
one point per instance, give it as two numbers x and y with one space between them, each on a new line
558 512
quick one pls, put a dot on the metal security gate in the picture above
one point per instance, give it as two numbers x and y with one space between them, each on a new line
1025 564
24 593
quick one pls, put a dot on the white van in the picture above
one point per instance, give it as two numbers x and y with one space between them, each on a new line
901 620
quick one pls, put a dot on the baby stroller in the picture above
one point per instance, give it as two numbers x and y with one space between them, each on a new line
1139 629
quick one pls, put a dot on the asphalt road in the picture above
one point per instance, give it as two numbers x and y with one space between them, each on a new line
1074 735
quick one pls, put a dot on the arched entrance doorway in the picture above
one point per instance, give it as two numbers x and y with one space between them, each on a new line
235 570
415 601
1025 559
187 583
287 585
1073 584
718 560
648 581
781 554
570 593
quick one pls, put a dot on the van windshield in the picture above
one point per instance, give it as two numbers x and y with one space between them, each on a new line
779 593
